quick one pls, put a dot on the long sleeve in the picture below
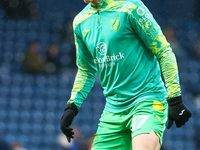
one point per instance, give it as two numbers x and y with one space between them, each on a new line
150 33
86 74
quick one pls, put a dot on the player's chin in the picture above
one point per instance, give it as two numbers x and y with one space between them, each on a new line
87 1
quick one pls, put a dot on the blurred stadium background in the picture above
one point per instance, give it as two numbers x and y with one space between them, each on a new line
31 104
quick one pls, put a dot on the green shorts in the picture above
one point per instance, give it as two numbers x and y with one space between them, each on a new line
116 130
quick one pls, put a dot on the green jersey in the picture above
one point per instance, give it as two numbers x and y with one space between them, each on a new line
121 41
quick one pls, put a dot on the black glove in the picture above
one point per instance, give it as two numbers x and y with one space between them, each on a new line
70 112
177 112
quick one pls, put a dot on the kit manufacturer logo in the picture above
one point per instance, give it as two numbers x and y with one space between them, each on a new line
85 33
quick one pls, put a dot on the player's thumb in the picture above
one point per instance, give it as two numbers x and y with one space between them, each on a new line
170 123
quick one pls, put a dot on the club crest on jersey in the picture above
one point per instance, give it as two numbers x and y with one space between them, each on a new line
115 24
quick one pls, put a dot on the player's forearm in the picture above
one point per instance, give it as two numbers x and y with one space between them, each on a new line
169 70
83 83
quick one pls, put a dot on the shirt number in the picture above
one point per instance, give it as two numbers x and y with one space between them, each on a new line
141 119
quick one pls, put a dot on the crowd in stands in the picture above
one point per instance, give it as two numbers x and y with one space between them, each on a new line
50 63
23 9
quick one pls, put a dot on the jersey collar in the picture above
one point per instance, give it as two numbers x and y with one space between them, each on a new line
100 5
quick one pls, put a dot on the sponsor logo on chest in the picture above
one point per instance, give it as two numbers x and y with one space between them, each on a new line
105 60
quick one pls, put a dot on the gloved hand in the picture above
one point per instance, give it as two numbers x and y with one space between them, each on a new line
177 112
70 112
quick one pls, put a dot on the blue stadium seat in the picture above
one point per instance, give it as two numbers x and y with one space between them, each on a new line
177 133
12 127
63 93
5 78
21 36
25 116
64 81
30 147
37 116
9 35
52 81
85 129
86 116
33 25
51 93
32 35
3 115
57 25
50 16
189 145
98 107
54 38
24 139
22 25
10 138
8 46
65 47
65 60
28 80
59 114
183 65
8 56
41 81
25 128
39 103
40 92
58 16
184 77
2 22
35 140
167 136
192 36
97 96
6 68
51 104
27 91
190 131
49 116
10 25
62 102
3 102
49 128
50 140
15 91
44 45
16 79
1 43
2 127
4 91
95 118
20 46
13 115
44 37
14 103
26 104
44 26
86 106
2 14
178 144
